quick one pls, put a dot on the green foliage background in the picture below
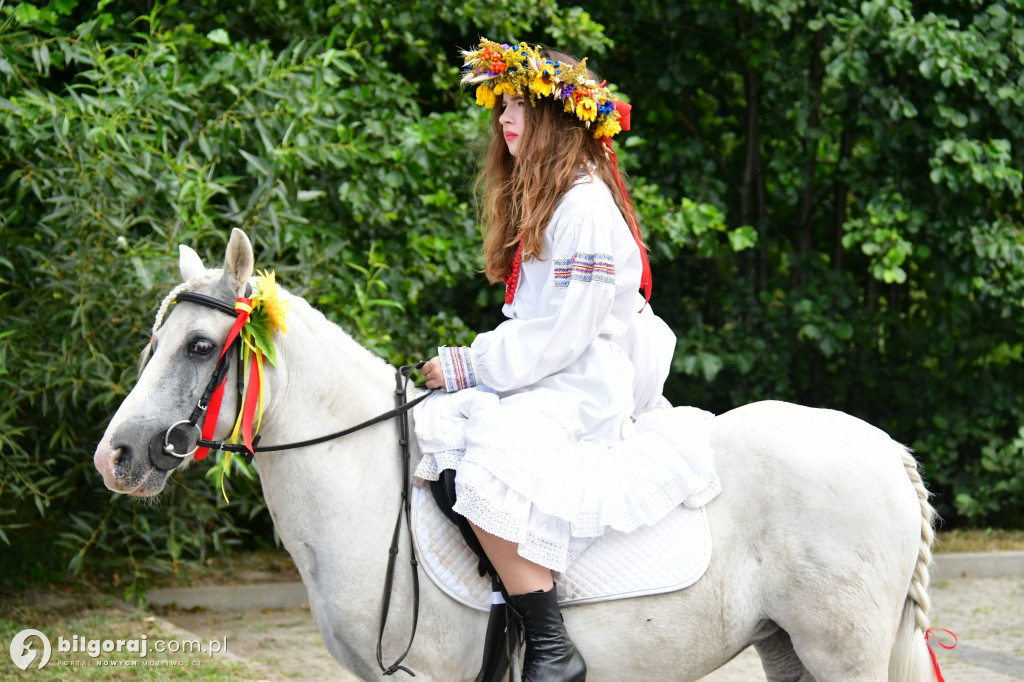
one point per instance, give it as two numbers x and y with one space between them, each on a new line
832 193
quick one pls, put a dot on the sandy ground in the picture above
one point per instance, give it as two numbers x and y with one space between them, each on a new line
987 614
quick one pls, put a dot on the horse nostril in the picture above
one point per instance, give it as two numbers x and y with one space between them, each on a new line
122 456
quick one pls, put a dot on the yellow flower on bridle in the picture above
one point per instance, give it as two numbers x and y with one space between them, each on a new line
267 293
267 316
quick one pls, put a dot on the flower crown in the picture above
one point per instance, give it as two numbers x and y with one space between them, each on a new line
520 70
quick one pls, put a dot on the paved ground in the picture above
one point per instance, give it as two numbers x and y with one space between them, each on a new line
987 614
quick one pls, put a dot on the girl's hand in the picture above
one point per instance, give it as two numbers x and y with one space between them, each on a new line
431 371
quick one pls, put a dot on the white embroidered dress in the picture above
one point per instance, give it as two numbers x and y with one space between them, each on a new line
560 430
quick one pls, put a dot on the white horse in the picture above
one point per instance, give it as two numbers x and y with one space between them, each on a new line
821 535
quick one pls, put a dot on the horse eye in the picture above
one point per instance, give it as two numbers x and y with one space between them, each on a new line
201 346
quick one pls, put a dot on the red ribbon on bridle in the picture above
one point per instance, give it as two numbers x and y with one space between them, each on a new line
244 308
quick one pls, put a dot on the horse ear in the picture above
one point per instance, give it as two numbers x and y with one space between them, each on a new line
189 262
238 261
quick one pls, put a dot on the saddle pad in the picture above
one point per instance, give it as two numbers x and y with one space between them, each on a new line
668 556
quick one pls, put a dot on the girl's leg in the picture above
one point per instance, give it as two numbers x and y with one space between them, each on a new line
517 574
550 654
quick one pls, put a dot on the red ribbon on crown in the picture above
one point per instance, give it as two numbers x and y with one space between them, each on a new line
623 108
646 281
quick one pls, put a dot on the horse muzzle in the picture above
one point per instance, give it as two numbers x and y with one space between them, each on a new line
168 449
127 469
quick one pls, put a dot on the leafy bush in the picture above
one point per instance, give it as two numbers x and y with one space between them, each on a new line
832 196
876 150
337 142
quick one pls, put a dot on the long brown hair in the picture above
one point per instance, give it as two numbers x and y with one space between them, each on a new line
521 192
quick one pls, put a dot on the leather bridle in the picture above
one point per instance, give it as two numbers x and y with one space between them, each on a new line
168 449
163 447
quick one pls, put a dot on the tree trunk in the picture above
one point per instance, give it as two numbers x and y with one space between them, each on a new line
816 74
752 191
839 211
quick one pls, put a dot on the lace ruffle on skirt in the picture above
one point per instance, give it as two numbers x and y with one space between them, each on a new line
521 476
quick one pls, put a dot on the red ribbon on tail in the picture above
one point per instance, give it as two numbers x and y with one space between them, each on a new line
935 661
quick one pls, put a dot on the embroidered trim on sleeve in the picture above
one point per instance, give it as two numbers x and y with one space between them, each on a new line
457 367
584 267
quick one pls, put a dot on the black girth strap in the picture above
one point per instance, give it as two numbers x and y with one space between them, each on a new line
401 382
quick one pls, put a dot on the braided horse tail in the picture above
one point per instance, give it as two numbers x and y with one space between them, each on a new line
911 660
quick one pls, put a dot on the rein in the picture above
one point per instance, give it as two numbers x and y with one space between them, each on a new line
401 410
163 445
210 401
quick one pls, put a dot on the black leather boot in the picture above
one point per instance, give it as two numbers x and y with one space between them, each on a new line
550 654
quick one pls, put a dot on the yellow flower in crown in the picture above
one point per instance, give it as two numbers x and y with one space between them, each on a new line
485 96
543 83
586 109
609 127
267 295
502 87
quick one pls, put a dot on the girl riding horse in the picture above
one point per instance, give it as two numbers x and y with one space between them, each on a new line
554 422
